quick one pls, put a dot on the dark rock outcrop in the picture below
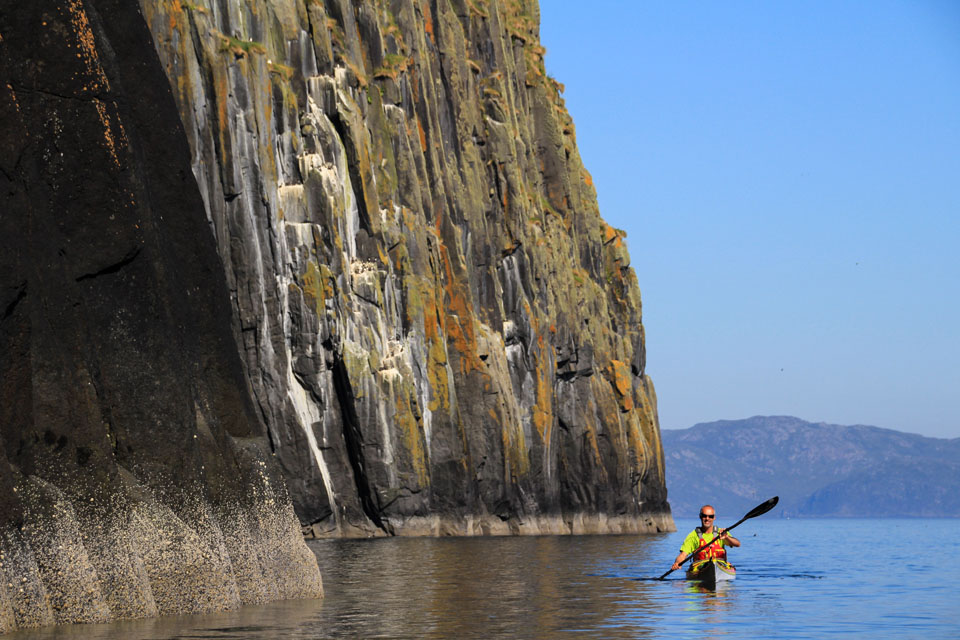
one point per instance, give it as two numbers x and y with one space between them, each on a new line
135 476
442 334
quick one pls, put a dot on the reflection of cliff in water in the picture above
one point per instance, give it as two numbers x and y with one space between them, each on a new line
499 587
529 587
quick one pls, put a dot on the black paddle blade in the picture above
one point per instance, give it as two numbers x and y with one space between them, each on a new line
761 509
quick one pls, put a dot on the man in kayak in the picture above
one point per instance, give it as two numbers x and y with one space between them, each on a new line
705 534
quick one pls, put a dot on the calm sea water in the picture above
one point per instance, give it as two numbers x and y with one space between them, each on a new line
795 579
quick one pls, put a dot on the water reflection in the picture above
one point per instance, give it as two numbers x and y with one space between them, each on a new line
529 587
710 607
279 620
593 587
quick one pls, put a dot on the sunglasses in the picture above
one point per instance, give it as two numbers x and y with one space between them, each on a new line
707 515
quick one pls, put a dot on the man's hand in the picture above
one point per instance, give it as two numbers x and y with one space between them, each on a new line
733 542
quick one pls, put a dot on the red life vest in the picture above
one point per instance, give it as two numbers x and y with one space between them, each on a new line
713 550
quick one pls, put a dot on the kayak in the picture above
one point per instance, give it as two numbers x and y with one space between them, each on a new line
710 572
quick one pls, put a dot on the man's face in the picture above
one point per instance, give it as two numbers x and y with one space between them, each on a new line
707 516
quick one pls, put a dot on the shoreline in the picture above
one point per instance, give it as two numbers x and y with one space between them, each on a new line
488 525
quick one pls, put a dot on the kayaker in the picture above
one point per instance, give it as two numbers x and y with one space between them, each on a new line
705 534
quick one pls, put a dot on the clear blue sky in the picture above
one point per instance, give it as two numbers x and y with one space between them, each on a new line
788 174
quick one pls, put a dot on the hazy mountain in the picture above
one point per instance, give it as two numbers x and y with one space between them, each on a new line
817 469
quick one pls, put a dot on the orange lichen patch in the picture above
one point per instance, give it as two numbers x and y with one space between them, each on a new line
423 136
437 357
460 317
543 407
458 334
437 377
268 159
534 321
108 134
221 91
428 22
609 233
384 258
221 95
13 96
183 86
621 380
612 235
88 46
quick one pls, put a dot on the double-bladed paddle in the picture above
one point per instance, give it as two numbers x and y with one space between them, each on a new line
758 510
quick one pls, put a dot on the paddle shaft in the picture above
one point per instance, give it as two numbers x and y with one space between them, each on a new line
759 510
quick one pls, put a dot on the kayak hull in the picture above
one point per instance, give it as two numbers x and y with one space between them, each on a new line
711 572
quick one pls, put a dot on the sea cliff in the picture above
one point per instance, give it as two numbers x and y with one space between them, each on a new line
440 331
274 267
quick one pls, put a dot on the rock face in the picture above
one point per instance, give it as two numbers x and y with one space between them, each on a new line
441 333
262 260
135 475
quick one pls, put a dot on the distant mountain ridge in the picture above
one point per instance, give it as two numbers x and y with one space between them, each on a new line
817 469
